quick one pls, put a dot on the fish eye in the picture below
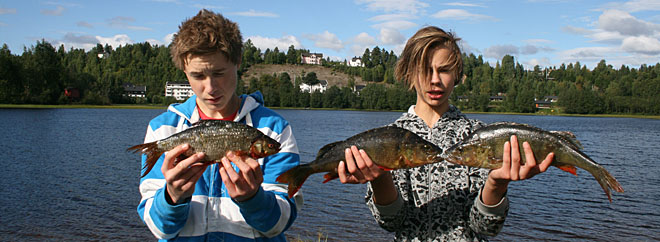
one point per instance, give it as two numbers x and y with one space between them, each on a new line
270 146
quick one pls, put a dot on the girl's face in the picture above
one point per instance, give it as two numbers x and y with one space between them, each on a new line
435 85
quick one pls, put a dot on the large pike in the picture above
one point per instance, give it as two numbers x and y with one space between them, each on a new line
389 147
484 148
213 137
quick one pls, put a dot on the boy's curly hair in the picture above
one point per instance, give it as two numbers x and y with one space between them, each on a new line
206 33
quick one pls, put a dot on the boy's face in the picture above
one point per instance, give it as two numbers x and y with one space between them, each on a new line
434 88
213 79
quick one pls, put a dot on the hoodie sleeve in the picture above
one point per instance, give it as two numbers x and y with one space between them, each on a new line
163 219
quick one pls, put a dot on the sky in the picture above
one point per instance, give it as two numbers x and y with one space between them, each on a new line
547 33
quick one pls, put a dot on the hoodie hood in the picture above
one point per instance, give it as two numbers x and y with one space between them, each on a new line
188 109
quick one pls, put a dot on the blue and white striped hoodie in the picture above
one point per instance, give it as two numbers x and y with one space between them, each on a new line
211 214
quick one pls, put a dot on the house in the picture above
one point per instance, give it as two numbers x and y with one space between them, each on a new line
178 90
552 99
355 61
320 87
497 98
72 93
358 87
131 90
312 58
542 104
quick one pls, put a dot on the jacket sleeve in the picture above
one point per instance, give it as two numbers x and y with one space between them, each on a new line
163 219
271 211
485 219
390 217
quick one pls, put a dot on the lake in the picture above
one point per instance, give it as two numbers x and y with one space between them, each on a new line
67 176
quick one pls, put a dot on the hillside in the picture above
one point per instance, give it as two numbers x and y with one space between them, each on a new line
334 78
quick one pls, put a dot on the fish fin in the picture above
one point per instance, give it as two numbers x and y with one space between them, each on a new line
570 137
326 148
330 176
568 168
607 182
385 168
295 177
152 152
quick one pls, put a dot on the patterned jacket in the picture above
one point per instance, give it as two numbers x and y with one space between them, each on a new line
439 202
211 215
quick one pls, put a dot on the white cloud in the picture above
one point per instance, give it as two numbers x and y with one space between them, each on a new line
87 42
115 41
390 17
634 6
625 24
499 51
395 6
460 14
577 30
165 41
641 45
326 40
253 13
538 41
282 44
7 11
56 12
397 24
391 36
543 62
464 4
361 42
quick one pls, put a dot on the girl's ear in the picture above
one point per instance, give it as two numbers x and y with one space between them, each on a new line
461 81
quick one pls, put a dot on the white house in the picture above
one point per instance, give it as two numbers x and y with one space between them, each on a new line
320 87
178 90
312 58
355 61
131 90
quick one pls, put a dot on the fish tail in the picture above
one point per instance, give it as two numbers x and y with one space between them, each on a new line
607 182
295 177
153 153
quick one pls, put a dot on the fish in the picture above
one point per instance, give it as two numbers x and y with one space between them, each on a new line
389 147
484 148
213 137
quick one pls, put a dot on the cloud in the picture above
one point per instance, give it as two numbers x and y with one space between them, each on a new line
464 4
543 62
390 17
397 24
532 49
391 36
576 30
499 51
538 41
84 24
56 12
625 24
641 45
326 40
586 54
253 13
634 6
282 44
361 42
87 42
122 22
395 6
7 11
460 14
164 42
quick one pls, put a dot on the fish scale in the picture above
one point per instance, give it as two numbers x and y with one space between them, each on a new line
484 148
213 137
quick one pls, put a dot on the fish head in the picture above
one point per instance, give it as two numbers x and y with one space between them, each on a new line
426 153
264 146
470 154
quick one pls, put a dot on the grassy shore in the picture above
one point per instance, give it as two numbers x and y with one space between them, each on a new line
145 106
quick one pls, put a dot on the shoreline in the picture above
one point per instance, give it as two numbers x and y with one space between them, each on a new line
142 106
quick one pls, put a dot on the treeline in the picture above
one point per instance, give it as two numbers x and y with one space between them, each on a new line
41 73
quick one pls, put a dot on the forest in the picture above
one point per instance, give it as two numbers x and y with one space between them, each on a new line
42 72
